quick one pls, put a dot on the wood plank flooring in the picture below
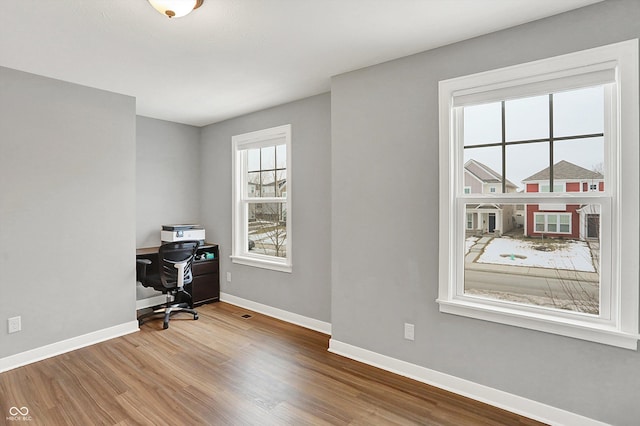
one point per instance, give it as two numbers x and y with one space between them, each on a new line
227 370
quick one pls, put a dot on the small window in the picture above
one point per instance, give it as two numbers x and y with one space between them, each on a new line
262 199
558 187
553 223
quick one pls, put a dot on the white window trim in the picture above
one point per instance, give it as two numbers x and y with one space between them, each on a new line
618 324
240 253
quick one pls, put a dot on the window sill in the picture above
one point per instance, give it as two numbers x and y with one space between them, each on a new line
262 263
575 328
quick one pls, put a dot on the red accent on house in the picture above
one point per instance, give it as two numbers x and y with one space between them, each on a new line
532 187
573 187
601 186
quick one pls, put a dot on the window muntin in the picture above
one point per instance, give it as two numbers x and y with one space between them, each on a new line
528 146
262 188
611 70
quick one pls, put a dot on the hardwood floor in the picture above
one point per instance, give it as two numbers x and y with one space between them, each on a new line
227 370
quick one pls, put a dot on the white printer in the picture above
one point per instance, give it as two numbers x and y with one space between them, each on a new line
171 233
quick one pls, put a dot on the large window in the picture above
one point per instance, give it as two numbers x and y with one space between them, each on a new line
262 197
548 251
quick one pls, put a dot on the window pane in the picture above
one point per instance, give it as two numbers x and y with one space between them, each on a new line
281 156
281 183
525 161
483 124
558 273
268 184
253 160
580 162
527 118
268 158
253 184
267 229
482 169
578 112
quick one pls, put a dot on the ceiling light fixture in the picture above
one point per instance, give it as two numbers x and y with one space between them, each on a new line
175 8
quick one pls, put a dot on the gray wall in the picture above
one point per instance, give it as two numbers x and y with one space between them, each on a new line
67 209
167 177
306 291
385 226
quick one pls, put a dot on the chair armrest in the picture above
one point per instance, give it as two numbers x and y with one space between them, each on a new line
141 269
180 267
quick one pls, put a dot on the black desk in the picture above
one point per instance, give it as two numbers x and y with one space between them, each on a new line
205 287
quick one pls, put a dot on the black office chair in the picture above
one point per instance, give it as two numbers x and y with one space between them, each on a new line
174 271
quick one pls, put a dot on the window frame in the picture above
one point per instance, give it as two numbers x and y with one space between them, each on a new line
273 136
617 323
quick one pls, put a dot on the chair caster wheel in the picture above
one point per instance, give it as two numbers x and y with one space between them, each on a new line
195 316
165 325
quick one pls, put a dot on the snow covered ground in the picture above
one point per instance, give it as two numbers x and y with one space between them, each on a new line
469 242
563 254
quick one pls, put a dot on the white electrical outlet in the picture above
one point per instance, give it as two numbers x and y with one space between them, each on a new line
409 331
14 324
228 277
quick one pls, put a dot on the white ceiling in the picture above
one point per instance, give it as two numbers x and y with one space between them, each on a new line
231 57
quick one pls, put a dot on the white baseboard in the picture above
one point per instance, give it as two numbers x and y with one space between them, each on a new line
48 351
302 321
513 403
150 301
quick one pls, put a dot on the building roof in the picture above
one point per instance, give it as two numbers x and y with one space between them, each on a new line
564 170
485 173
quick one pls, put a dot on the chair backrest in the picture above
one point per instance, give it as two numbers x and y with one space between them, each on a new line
171 253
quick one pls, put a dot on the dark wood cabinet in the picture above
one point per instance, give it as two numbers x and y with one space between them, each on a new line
205 287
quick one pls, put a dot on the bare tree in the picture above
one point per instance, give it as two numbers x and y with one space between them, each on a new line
269 220
576 291
270 228
598 168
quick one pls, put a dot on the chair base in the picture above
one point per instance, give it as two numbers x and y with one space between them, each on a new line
167 311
